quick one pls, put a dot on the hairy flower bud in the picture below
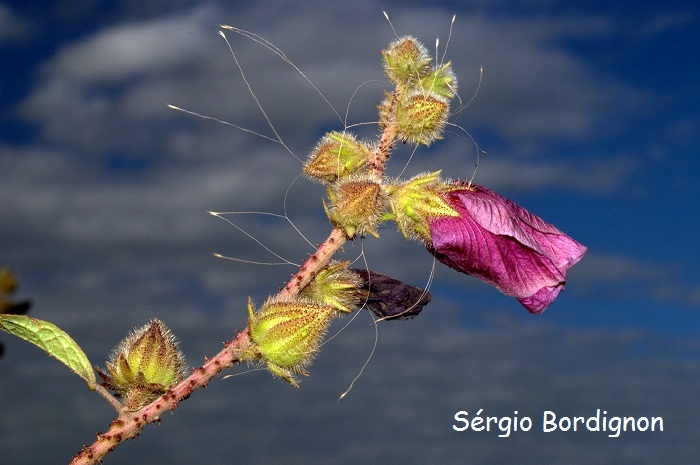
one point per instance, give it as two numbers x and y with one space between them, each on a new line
356 205
144 365
336 286
414 201
406 61
337 155
421 117
287 333
441 80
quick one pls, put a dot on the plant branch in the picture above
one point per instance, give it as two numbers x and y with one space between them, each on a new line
380 156
315 262
130 424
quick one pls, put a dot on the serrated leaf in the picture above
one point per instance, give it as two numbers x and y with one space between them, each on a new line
52 340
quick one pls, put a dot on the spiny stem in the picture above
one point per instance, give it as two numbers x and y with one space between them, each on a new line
315 262
379 156
130 424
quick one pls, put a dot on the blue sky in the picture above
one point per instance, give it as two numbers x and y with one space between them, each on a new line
589 118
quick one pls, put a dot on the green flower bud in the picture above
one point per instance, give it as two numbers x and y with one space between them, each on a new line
416 199
337 155
356 204
406 61
336 286
442 81
144 365
287 334
421 117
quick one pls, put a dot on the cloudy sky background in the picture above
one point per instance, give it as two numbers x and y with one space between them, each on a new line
589 117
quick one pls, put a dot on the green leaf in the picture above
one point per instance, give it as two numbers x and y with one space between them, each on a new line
53 340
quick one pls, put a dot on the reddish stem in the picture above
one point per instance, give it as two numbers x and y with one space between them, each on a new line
380 156
315 262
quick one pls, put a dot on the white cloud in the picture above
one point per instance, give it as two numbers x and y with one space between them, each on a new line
135 49
532 88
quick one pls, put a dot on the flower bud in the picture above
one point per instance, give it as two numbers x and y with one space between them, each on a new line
287 334
441 80
356 205
421 117
337 155
336 286
416 200
144 365
406 61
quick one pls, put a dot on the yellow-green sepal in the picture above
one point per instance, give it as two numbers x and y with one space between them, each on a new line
414 201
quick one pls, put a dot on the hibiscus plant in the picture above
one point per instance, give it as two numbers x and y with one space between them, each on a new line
465 226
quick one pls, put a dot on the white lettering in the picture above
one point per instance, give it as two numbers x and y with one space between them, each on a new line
504 425
549 421
461 416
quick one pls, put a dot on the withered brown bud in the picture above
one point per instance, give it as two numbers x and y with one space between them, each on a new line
391 299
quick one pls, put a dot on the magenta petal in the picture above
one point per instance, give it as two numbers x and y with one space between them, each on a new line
504 245
538 302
